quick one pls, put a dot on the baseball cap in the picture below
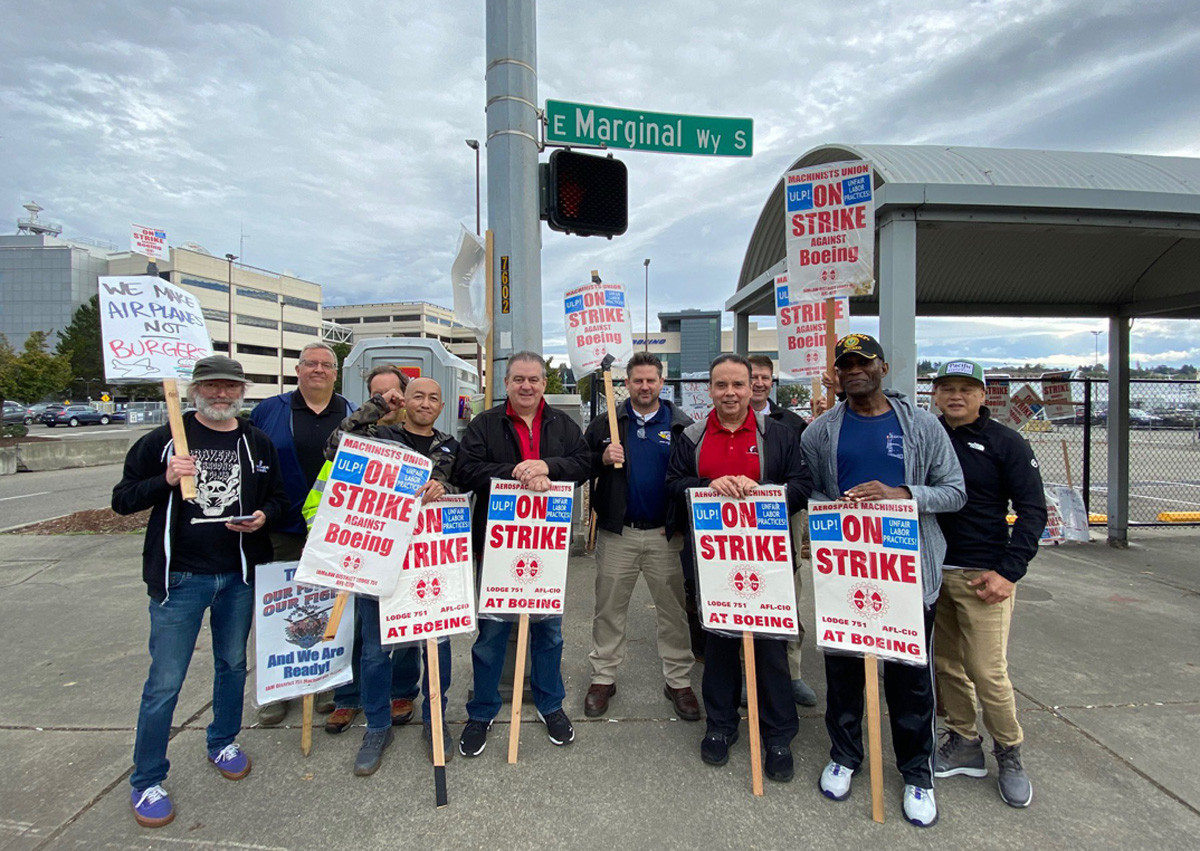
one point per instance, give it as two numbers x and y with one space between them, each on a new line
218 368
863 345
961 369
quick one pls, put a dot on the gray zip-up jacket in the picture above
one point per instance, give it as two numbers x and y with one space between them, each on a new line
931 473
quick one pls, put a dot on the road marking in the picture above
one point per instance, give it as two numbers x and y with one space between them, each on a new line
24 495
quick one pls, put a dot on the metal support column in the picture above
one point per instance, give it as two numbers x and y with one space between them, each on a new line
741 333
1118 432
897 289
512 175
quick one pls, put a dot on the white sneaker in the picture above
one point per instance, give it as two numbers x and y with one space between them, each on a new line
920 808
835 781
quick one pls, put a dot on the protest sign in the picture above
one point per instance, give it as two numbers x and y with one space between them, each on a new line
1056 394
996 398
1023 405
866 561
526 549
744 561
151 242
695 400
289 628
597 323
366 517
435 595
800 326
151 329
829 213
1066 516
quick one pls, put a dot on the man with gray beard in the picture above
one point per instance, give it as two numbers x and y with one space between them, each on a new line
199 556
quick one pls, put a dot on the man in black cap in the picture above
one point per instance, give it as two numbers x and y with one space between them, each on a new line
199 556
877 445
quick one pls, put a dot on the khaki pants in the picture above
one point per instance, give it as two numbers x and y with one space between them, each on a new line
619 561
971 657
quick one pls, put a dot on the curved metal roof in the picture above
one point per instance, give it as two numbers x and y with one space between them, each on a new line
1109 213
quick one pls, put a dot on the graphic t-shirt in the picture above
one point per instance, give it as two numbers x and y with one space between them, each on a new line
870 449
201 543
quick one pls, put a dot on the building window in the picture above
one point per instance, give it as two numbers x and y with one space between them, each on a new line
261 378
265 351
300 329
221 347
406 317
346 320
292 301
215 315
204 284
290 379
263 295
256 321
290 353
375 319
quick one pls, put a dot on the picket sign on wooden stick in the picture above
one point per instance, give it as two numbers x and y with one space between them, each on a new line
335 615
830 346
874 741
1067 465
433 672
187 485
306 722
756 769
514 731
815 394
612 410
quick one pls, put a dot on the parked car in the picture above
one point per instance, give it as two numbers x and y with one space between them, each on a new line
1143 419
45 413
15 412
75 415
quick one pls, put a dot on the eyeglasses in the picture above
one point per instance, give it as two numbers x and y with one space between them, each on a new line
318 364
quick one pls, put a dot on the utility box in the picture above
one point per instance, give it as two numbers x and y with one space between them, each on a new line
416 357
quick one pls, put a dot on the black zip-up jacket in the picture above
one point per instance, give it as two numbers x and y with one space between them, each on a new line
144 485
999 467
365 423
490 449
788 418
612 485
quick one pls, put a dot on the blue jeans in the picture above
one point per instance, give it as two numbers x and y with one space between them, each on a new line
406 670
174 627
487 656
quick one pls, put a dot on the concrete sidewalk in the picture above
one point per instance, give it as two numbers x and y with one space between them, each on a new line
1104 654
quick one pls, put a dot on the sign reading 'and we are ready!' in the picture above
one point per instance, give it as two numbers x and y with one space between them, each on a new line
638 130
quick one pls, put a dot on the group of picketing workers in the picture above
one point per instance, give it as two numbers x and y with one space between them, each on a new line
963 469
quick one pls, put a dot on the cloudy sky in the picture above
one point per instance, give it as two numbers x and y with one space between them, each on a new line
331 135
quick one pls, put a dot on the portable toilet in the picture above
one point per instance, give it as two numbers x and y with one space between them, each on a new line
415 357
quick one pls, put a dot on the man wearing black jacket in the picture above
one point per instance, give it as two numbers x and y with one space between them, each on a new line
199 555
982 566
732 452
631 514
524 439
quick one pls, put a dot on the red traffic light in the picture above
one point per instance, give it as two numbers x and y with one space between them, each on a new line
587 195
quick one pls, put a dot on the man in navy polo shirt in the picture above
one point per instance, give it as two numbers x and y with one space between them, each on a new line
631 516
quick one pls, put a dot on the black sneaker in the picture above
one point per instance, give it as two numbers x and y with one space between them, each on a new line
1015 788
959 755
370 755
779 766
714 750
447 743
558 727
474 738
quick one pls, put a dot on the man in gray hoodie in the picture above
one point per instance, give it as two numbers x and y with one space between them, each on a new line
877 445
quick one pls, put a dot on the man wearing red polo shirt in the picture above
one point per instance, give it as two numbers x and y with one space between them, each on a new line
525 439
732 451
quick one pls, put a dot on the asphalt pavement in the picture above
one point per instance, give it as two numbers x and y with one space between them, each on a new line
1103 656
31 497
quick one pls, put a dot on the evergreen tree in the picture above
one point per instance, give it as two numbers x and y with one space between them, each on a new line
35 374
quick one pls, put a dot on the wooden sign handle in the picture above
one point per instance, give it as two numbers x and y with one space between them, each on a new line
1067 465
756 767
830 347
514 730
335 615
612 413
187 485
306 723
874 741
434 675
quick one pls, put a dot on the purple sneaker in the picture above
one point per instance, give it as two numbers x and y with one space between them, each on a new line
231 761
151 806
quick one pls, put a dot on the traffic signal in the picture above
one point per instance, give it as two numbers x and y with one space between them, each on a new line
586 195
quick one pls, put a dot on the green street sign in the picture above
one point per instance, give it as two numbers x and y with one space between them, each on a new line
637 130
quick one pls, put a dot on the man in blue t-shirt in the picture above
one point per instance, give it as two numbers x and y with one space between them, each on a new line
631 512
877 445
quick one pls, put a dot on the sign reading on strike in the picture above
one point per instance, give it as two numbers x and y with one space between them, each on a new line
366 517
866 561
151 329
801 329
829 213
151 242
1056 394
289 624
1023 405
996 398
526 549
744 561
435 595
597 319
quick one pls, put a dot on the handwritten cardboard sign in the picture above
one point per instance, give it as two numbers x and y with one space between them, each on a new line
150 329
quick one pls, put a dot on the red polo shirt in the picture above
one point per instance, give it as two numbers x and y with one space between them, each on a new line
529 438
729 453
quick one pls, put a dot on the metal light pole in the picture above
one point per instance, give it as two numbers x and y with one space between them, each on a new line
230 258
646 339
474 145
1096 348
